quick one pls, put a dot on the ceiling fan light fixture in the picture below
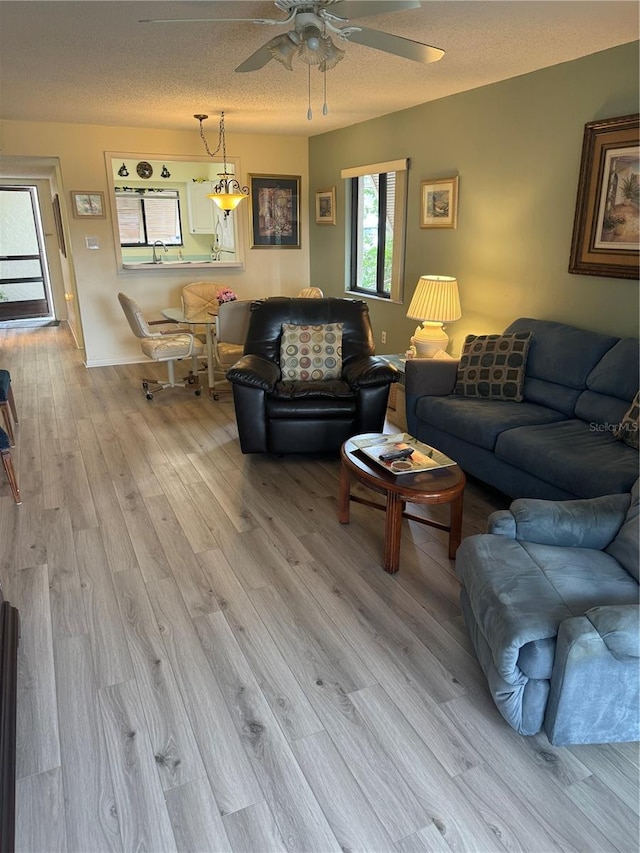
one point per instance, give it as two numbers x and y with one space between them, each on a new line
283 48
334 56
315 48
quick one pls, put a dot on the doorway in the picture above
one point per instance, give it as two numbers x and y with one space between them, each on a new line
25 287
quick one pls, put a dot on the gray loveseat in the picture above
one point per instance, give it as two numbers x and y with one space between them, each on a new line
550 599
555 444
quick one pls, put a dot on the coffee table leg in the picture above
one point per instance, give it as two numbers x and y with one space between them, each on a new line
392 533
455 529
343 496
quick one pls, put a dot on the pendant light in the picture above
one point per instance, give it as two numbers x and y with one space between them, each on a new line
227 193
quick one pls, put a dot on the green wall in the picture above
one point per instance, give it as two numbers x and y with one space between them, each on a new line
516 146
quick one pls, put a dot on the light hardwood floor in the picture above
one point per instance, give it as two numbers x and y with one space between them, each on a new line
210 662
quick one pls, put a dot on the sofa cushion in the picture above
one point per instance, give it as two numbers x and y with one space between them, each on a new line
311 352
625 545
481 421
492 366
628 430
560 454
617 374
560 359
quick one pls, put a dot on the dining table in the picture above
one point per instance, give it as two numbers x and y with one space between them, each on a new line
208 320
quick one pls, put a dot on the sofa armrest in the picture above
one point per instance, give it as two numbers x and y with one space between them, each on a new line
590 523
368 371
595 685
254 371
430 376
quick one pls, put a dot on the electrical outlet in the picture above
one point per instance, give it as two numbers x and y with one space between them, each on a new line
383 337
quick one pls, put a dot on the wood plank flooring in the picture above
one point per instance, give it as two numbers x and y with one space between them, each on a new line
210 662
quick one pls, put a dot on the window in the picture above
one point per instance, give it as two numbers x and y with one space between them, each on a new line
144 218
377 197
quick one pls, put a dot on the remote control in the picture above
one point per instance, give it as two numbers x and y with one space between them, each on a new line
396 454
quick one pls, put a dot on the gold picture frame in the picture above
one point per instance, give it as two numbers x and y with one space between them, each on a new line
605 228
326 207
439 203
88 204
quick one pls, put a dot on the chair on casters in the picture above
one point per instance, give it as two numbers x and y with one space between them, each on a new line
163 346
5 452
310 293
7 403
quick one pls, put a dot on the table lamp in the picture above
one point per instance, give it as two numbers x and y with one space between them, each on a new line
435 301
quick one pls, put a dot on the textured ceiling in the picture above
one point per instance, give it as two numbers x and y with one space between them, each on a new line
92 62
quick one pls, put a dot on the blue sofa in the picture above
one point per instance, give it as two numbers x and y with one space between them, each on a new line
550 599
557 443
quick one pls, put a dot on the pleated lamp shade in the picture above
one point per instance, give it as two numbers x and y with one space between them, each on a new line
435 301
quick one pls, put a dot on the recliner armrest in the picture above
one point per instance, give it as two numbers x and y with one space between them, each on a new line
430 376
594 690
368 371
619 627
589 523
254 371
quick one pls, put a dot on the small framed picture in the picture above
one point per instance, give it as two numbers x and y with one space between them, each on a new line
86 204
439 203
326 207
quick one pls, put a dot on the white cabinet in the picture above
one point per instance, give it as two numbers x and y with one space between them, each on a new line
201 210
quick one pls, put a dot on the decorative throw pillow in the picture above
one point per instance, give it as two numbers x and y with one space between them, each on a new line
629 427
311 352
492 366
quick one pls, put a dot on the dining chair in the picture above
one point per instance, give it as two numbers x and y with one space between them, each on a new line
5 452
200 298
167 346
310 293
232 323
8 405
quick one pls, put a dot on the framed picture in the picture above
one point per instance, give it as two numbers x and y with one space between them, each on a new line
605 227
439 203
275 211
88 204
326 207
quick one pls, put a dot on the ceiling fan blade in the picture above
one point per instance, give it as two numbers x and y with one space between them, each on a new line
257 60
208 21
398 45
363 8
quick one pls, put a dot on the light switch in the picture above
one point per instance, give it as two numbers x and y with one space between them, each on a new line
92 242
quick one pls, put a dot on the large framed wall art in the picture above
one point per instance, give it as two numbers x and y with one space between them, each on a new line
606 236
275 211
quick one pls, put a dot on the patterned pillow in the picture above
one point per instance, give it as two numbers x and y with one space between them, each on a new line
492 366
311 352
629 427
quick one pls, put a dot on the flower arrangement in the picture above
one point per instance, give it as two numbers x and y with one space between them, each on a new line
226 295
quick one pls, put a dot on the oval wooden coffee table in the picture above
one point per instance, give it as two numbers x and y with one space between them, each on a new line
440 486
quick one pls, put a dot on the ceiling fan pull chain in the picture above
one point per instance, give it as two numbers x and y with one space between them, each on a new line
309 111
325 108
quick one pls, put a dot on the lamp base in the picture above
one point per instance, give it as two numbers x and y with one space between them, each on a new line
428 338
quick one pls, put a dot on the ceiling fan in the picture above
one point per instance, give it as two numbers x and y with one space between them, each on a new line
314 24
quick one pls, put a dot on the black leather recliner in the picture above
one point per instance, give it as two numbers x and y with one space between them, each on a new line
308 416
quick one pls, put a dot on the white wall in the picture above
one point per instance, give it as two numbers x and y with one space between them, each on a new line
81 152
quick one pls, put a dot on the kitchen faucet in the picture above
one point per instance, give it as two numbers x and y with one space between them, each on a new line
157 258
